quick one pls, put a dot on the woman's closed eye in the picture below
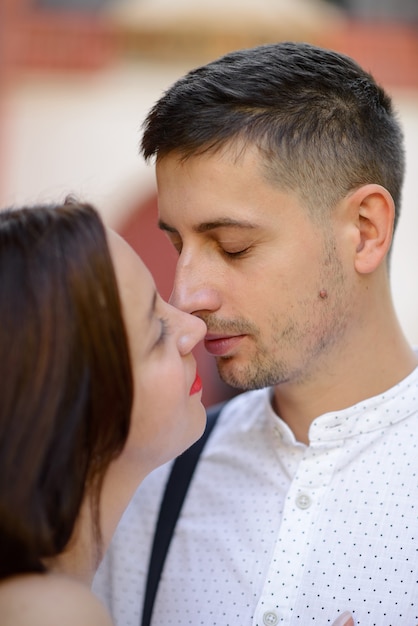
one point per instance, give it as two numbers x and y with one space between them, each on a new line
164 330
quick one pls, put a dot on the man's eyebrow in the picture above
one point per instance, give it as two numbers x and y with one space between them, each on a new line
163 226
206 226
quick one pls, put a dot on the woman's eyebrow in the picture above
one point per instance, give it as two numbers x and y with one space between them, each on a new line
152 307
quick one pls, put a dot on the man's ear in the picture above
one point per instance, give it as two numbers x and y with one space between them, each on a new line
374 212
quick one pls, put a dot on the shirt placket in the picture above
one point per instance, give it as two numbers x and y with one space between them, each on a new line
295 534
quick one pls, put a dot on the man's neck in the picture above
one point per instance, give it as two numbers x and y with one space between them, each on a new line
352 377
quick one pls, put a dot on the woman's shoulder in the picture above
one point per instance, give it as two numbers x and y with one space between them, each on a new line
48 600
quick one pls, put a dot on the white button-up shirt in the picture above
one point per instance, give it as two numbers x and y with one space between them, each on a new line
277 532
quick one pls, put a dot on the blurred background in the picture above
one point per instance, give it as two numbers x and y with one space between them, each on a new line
77 78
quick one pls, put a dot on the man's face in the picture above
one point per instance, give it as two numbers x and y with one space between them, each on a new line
267 279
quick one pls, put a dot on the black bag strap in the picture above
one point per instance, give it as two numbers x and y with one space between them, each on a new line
171 504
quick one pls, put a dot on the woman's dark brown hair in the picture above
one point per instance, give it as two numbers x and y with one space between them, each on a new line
65 377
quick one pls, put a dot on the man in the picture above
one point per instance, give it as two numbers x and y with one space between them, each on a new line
279 173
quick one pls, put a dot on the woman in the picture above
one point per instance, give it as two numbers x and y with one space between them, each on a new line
98 386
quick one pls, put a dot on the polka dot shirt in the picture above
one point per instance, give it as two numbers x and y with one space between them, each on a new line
277 532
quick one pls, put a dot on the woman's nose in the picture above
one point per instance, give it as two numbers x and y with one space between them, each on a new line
193 330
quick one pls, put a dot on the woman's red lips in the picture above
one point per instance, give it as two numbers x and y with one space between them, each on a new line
197 385
220 345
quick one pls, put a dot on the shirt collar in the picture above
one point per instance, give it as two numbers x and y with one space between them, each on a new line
376 413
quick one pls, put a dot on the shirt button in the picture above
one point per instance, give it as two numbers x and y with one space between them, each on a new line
303 501
270 618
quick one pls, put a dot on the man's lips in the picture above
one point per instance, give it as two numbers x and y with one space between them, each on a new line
220 345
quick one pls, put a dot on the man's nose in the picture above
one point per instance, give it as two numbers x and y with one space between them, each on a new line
194 289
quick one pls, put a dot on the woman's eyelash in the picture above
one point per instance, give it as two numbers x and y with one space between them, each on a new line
164 329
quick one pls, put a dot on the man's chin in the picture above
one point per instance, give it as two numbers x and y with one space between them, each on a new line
247 377
230 373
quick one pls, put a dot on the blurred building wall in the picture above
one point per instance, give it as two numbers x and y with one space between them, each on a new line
399 10
76 84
